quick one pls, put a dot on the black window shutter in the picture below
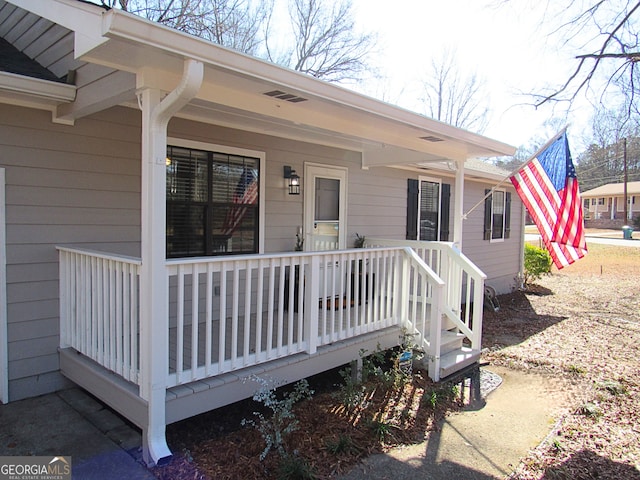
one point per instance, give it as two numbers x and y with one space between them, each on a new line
445 203
507 214
412 209
487 215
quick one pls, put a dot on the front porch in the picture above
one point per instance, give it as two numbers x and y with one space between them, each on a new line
286 315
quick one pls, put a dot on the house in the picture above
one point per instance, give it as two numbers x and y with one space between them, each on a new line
153 186
604 205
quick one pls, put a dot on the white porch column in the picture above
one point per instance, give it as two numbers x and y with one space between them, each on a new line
458 204
154 283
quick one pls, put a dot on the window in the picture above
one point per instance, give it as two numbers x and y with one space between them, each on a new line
428 209
497 215
586 204
601 201
212 203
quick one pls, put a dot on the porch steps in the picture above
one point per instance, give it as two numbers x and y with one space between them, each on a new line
450 341
456 360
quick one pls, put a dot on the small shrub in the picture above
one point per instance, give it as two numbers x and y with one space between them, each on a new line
537 262
294 467
380 430
343 444
282 421
351 392
590 410
576 370
613 387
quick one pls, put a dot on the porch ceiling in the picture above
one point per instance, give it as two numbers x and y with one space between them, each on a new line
235 87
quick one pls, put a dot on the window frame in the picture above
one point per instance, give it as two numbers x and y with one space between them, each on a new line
438 181
489 215
228 150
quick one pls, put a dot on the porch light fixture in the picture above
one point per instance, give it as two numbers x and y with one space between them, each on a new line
294 180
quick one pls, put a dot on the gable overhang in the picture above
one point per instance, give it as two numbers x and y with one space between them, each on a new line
238 91
33 92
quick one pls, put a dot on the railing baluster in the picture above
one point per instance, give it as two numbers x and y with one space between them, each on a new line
209 292
195 284
247 314
180 325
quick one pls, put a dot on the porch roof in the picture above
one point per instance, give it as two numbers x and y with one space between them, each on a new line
239 91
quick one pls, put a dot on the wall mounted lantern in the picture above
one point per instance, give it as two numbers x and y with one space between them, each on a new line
294 180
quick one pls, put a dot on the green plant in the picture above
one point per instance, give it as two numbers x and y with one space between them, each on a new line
576 370
351 393
381 430
343 444
613 387
299 246
282 421
294 467
590 410
359 241
537 262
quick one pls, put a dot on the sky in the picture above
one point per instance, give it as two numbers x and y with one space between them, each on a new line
507 46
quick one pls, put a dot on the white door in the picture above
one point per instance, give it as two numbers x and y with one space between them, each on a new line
325 198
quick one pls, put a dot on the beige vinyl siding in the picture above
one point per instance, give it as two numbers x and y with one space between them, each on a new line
65 185
499 260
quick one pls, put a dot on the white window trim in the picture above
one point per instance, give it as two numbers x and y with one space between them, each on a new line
504 216
261 156
421 179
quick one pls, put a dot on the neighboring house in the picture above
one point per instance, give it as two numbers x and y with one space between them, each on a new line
148 230
606 203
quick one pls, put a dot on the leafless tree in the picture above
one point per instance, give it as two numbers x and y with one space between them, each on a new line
325 41
608 50
451 97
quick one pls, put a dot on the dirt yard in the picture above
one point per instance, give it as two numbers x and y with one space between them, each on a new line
581 325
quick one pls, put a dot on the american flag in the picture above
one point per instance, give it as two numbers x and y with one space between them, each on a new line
548 187
245 194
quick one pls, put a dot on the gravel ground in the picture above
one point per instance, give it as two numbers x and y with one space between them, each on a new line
581 324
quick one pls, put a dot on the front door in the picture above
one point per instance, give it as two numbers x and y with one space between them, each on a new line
325 197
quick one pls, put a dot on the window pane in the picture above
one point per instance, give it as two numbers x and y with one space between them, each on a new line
497 206
186 175
327 199
185 230
429 210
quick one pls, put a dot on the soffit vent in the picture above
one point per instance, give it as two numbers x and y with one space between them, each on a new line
289 97
431 138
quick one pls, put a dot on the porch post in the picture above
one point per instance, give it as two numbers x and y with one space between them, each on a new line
154 281
458 204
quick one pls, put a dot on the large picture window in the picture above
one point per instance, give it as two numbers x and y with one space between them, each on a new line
212 203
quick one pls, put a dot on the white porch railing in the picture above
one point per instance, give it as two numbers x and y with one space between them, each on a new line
99 314
231 312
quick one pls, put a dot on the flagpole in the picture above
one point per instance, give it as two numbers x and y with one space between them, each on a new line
513 172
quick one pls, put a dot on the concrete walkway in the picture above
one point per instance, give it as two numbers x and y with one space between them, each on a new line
486 443
72 423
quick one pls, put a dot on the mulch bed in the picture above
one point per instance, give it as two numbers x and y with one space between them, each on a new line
215 445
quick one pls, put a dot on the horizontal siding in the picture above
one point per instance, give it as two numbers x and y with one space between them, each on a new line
65 185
